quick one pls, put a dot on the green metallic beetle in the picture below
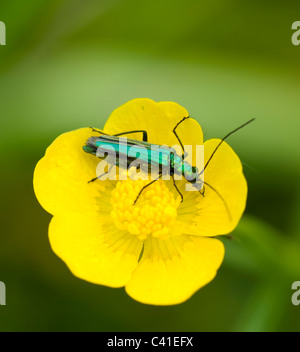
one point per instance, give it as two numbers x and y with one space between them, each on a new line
166 159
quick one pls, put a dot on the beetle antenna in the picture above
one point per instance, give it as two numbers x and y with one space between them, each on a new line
222 140
222 199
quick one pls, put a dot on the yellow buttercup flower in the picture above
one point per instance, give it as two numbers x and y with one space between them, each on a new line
160 249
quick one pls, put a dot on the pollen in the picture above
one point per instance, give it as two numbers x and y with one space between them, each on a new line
153 214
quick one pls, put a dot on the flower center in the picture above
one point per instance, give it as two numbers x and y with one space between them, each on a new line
153 213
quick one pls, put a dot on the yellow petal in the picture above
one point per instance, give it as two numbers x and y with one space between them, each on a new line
61 176
225 174
158 119
95 252
171 271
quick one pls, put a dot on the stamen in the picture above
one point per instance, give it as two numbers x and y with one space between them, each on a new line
153 214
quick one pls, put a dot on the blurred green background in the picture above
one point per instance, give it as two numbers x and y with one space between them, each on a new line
69 63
